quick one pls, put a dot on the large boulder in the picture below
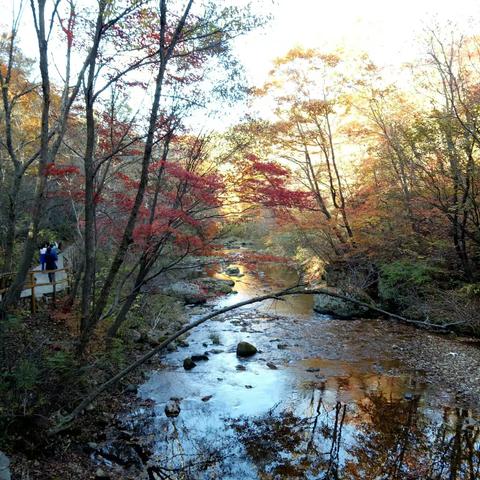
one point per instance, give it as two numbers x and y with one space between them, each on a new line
245 349
189 292
216 285
338 307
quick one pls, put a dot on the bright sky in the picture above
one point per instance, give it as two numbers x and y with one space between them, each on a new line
388 30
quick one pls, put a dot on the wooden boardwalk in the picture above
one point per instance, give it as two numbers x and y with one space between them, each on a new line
38 284
42 283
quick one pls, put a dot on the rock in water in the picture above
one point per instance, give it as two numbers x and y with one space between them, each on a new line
245 349
188 364
231 270
172 408
271 365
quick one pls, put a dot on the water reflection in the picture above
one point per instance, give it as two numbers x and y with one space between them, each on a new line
268 277
378 430
395 439
332 409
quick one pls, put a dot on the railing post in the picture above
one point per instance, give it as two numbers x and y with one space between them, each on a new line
69 280
54 286
33 302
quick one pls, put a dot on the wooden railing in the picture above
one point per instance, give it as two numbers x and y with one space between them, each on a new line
31 284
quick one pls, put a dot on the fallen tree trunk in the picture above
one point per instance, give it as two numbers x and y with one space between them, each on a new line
66 421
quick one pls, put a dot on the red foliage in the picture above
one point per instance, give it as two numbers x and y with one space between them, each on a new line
53 170
269 184
68 27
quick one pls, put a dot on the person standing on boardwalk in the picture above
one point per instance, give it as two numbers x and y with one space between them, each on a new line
51 263
43 251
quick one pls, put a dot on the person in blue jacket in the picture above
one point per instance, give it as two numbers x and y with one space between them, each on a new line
51 263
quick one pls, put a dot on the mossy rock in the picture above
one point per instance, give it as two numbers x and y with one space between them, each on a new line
245 349
338 307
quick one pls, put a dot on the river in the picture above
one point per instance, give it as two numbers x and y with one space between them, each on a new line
322 399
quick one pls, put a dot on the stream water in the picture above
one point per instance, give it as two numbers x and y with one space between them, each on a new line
322 399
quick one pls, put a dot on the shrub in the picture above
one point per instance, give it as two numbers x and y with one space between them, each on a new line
402 281
25 375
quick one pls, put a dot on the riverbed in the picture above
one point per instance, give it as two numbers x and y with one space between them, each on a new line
322 399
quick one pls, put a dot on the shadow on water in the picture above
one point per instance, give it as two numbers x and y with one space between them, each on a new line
308 405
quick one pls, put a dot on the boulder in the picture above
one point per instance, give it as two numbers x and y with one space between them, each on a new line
337 307
232 270
188 364
189 292
133 335
245 349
